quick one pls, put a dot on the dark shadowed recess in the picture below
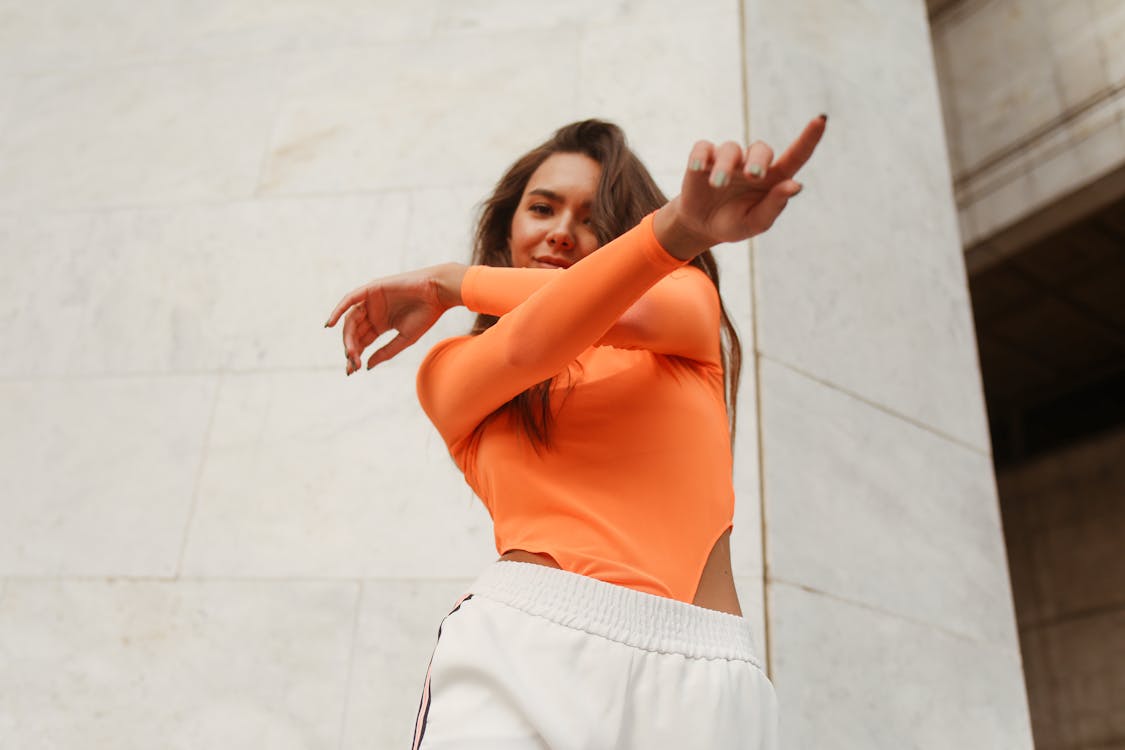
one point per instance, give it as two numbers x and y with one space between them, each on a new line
1050 324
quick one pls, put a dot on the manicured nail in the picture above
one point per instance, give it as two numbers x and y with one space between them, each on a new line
327 324
719 179
756 170
799 189
824 117
697 165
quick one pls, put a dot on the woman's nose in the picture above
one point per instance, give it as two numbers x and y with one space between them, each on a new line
560 237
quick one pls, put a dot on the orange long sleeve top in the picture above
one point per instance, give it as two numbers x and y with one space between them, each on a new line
637 487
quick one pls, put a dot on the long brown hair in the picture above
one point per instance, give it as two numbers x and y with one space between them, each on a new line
626 193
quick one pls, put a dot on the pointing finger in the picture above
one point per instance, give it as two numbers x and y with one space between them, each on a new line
801 149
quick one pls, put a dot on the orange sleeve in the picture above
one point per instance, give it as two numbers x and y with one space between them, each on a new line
679 315
465 378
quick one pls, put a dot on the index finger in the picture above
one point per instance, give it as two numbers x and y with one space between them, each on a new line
350 299
800 150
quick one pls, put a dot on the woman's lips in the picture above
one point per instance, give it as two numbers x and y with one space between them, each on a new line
552 263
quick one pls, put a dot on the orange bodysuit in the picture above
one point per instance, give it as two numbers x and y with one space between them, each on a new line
637 486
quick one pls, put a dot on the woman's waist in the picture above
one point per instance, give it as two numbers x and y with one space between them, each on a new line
617 612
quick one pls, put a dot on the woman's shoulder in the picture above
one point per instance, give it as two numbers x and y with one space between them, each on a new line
442 347
689 281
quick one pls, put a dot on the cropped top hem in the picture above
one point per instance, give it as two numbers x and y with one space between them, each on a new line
616 572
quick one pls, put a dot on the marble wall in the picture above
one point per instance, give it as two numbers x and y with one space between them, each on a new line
210 536
888 606
1034 94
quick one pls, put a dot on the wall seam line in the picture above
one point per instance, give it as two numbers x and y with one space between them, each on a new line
766 640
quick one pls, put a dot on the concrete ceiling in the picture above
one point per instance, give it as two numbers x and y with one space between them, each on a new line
1050 326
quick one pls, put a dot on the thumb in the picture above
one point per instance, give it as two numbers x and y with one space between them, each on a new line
762 216
393 347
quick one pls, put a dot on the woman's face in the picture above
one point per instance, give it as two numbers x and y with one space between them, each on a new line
551 226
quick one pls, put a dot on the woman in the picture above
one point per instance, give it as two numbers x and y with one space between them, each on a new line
588 410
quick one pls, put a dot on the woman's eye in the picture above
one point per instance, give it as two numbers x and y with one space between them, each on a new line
539 208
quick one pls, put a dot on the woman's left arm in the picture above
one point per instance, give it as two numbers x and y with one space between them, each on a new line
728 194
679 315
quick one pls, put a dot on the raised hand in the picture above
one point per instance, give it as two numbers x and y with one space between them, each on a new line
408 302
731 194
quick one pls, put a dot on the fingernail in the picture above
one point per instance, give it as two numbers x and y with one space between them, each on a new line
719 179
697 165
756 170
799 189
326 324
824 117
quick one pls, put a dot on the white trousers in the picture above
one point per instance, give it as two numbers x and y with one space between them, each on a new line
532 657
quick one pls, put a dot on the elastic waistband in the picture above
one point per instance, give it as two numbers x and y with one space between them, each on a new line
635 618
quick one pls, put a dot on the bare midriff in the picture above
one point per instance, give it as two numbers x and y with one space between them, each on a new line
716 585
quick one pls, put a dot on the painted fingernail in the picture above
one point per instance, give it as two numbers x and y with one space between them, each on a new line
824 117
719 179
697 165
756 170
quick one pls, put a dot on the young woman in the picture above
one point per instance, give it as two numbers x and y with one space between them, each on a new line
588 409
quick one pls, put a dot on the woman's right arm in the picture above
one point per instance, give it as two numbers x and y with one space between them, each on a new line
679 315
464 379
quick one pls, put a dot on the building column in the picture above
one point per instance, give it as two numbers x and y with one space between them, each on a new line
888 607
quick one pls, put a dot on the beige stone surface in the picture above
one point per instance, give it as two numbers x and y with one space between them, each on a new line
867 507
1032 96
687 88
889 611
183 664
356 118
244 285
863 677
100 474
860 282
39 303
307 475
1110 26
1005 203
138 135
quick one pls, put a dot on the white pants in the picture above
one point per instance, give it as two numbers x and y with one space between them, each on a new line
532 657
